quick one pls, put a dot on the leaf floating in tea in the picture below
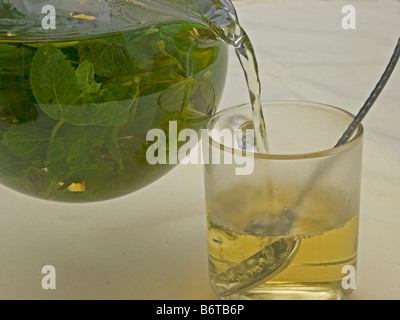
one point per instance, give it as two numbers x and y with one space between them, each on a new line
26 141
16 99
96 114
85 78
14 58
109 56
53 81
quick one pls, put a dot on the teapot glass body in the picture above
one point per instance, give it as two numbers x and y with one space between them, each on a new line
82 83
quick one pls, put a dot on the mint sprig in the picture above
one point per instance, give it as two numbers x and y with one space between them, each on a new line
53 81
70 97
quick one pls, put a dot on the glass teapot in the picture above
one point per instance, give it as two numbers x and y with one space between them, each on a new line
82 82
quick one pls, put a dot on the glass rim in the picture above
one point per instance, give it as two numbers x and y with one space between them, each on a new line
296 156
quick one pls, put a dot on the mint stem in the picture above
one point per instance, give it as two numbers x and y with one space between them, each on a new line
53 134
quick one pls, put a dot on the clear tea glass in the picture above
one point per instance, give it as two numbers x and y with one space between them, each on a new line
282 225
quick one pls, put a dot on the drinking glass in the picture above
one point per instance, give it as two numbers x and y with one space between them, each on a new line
282 225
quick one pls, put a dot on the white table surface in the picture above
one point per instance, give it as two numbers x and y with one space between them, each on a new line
152 244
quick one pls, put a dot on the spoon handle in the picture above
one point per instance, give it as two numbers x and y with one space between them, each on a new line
359 117
372 98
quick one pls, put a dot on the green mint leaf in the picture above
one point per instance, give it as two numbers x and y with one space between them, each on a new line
57 167
127 94
111 140
83 159
15 59
144 46
176 98
96 114
189 44
53 81
27 140
119 91
4 126
16 98
163 72
109 56
53 111
103 95
76 154
85 78
8 163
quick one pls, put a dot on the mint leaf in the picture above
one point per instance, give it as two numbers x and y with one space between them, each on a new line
14 58
187 44
96 114
160 73
109 56
68 153
4 126
53 81
103 95
16 99
89 87
56 164
83 159
85 78
111 140
57 86
120 91
176 98
144 46
27 140
127 94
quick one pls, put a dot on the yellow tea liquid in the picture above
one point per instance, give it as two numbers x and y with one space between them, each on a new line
315 269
